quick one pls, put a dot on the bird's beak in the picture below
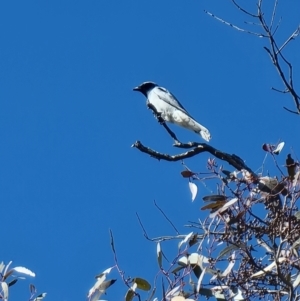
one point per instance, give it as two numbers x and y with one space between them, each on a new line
137 88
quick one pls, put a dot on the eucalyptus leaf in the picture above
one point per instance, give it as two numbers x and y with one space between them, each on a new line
142 284
214 198
129 295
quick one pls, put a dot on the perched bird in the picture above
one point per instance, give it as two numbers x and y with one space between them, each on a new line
170 109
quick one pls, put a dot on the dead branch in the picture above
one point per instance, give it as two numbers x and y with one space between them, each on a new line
233 159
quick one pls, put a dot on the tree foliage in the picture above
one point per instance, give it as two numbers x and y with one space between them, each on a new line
247 247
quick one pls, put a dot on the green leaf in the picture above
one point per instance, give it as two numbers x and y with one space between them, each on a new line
142 284
129 295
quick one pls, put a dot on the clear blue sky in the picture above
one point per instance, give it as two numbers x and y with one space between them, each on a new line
68 117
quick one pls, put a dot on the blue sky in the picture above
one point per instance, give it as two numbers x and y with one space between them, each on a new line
68 117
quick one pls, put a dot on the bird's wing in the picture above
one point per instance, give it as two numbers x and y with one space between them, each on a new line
170 99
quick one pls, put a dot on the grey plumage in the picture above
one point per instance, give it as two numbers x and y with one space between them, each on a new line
170 109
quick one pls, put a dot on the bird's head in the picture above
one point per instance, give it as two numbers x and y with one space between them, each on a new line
145 87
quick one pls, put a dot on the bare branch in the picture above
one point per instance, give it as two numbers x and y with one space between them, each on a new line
233 159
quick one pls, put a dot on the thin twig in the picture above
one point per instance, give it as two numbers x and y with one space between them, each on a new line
291 111
273 14
234 26
243 10
275 52
280 91
292 37
162 212
141 224
121 273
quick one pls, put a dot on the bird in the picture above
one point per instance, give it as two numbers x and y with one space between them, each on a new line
169 109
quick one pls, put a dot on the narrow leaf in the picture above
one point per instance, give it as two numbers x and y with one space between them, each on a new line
230 266
173 292
205 292
214 198
2 266
129 295
297 214
32 289
183 261
194 258
194 261
296 282
187 237
187 173
227 250
194 189
106 284
268 147
278 148
227 173
4 290
296 244
104 273
40 297
197 270
200 280
223 208
11 283
96 289
193 240
24 271
215 205
178 298
264 244
177 269
159 255
264 271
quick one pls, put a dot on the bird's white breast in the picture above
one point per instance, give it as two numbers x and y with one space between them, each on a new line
167 111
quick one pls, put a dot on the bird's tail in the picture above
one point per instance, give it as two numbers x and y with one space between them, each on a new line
204 132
